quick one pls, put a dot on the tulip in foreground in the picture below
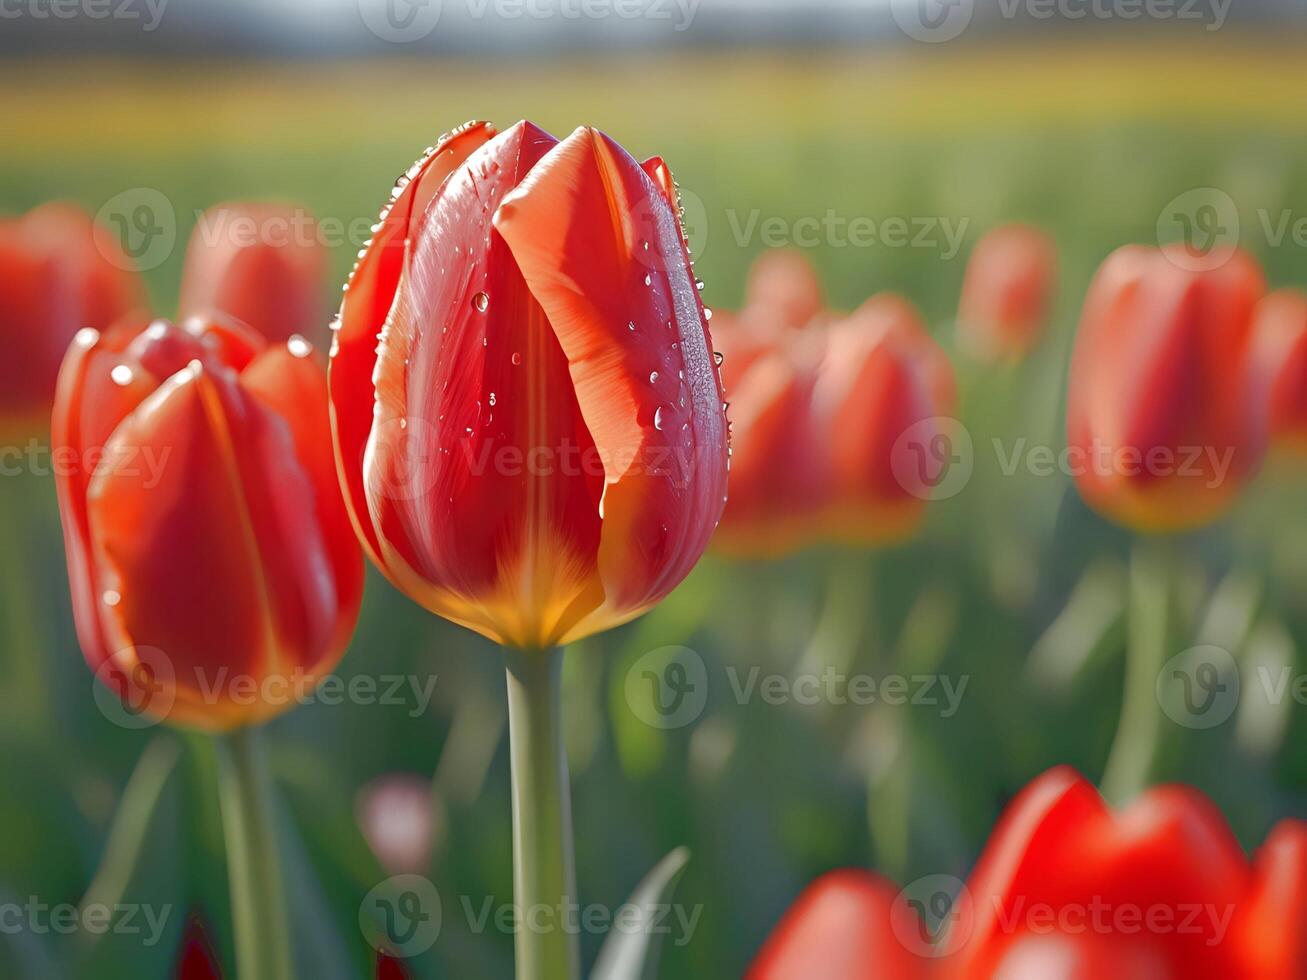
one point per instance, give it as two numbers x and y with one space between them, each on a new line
1007 292
214 574
59 272
1066 889
529 424
264 264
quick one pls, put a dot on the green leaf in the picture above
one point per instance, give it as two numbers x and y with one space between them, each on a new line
633 954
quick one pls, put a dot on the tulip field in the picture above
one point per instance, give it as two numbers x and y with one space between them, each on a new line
993 669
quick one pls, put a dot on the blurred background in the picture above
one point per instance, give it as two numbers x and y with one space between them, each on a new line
1001 621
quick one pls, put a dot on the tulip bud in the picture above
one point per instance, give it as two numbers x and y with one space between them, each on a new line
879 403
1163 425
1007 292
1281 365
59 272
264 264
528 421
214 575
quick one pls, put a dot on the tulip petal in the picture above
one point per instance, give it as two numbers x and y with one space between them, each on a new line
603 253
368 299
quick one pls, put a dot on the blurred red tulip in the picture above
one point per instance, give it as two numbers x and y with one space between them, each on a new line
59 272
1068 890
215 577
264 264
528 420
1281 360
879 405
389 968
1007 292
841 928
1163 424
783 289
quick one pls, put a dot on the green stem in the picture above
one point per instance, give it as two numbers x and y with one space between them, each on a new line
1132 762
544 876
258 897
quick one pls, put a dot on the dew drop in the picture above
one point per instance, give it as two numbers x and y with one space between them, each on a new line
653 377
658 418
648 279
630 325
111 597
517 358
492 398
481 301
298 346
718 357
707 313
121 375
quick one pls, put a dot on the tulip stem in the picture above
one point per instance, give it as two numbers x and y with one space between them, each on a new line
258 900
544 875
1132 762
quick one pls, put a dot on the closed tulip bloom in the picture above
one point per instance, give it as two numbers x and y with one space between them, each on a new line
879 404
1281 363
59 272
529 423
1008 289
264 264
1067 889
214 573
1164 425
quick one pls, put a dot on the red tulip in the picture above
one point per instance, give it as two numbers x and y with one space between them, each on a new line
196 959
528 421
879 405
1281 344
1068 890
841 928
783 289
59 272
1163 424
1007 292
776 466
264 264
215 577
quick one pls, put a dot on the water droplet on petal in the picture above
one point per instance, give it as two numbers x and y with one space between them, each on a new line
653 377
121 375
111 597
707 313
648 279
516 358
658 418
481 301
298 346
492 398
718 357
